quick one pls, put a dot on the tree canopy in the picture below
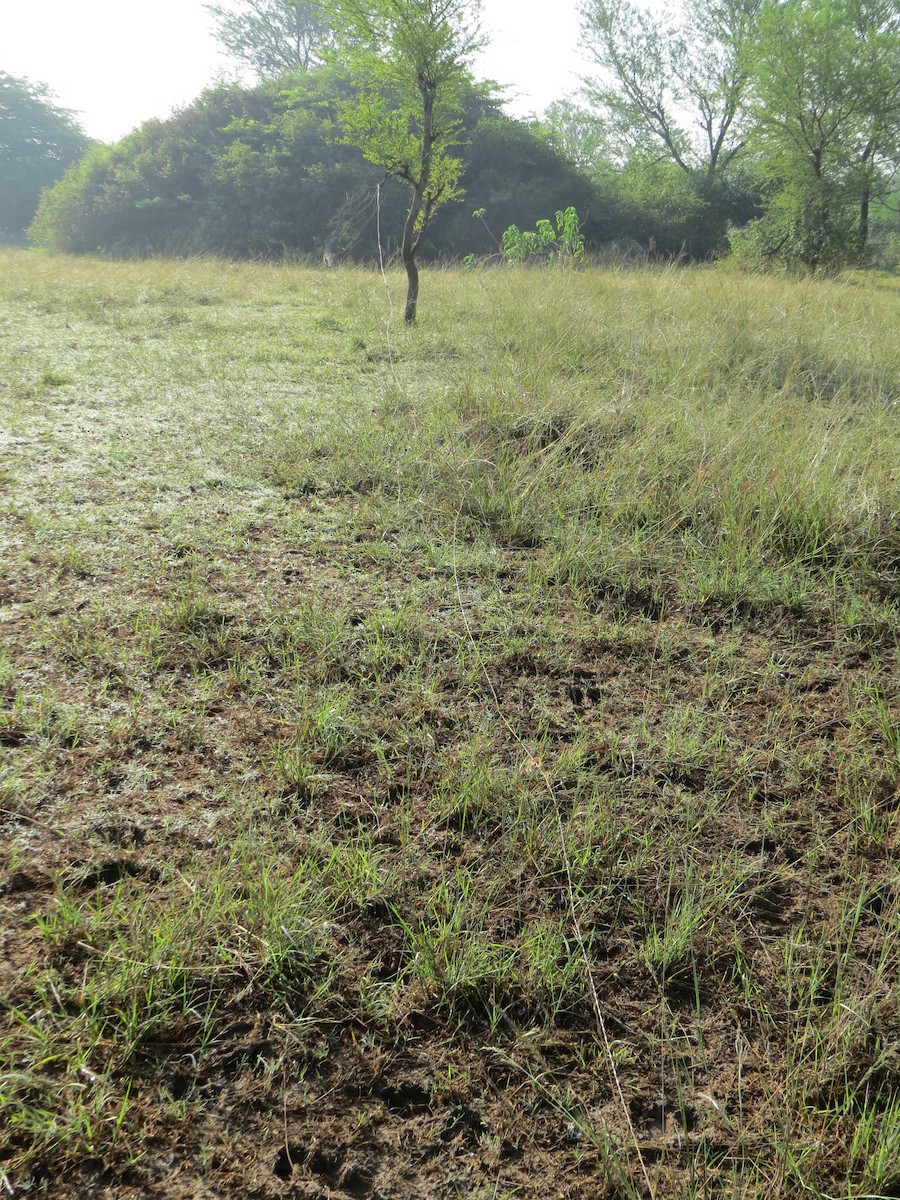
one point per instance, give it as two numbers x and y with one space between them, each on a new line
673 90
791 107
826 109
38 141
272 36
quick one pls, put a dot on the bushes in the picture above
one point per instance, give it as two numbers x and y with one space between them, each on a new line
802 227
265 172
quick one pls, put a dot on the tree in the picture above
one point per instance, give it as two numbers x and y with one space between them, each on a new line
272 36
672 94
827 111
240 172
411 58
577 133
654 76
38 141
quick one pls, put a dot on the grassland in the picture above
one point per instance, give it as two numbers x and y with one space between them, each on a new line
451 762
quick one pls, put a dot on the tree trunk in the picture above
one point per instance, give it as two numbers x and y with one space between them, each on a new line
408 248
862 234
418 204
412 290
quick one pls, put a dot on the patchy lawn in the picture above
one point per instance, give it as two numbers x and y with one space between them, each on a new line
460 761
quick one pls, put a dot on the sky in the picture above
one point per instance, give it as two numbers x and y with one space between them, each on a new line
116 63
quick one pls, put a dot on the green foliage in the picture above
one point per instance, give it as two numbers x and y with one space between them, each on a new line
665 208
579 134
676 213
796 127
389 136
827 112
670 119
413 64
645 196
244 172
272 36
562 243
38 141
517 176
267 171
804 225
675 90
883 248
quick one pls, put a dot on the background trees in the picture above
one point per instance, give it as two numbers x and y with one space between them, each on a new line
675 91
770 126
672 94
38 141
790 108
267 171
826 109
272 36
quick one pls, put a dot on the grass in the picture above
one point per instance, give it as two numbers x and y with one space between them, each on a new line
459 761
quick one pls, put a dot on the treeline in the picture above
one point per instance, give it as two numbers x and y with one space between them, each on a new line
266 171
768 130
793 103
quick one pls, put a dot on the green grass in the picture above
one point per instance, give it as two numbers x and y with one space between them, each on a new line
460 761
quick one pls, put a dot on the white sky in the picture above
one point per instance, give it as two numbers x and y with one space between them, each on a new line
116 63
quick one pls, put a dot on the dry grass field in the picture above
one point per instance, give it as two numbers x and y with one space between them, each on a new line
450 762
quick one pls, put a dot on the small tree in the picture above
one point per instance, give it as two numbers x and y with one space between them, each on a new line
411 59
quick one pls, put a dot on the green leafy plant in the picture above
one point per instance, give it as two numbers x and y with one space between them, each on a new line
561 242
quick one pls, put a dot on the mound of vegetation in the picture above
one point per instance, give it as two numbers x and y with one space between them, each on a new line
266 171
